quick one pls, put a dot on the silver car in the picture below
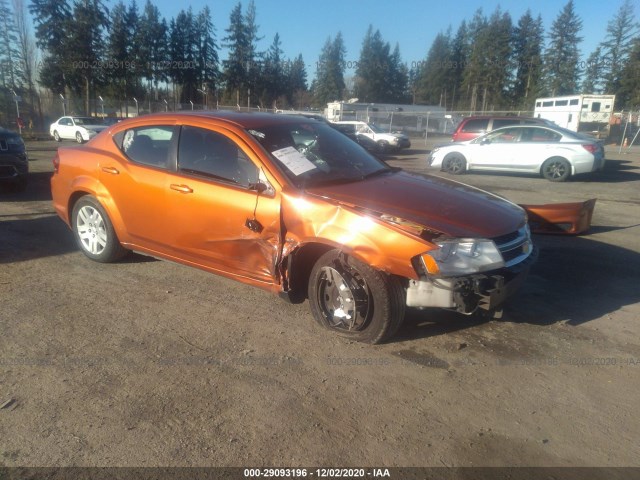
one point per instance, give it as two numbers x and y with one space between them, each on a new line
552 152
80 129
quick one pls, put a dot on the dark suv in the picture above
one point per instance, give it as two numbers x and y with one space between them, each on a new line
472 127
14 165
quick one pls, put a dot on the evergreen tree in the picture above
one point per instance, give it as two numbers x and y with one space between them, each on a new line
297 83
208 61
527 45
487 75
273 83
475 64
617 45
184 47
86 46
52 19
398 78
119 47
329 83
628 96
26 47
591 82
459 56
561 58
372 74
435 71
11 71
151 41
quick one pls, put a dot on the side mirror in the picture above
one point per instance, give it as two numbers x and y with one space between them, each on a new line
258 187
485 141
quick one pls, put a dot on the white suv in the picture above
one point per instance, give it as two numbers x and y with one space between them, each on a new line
382 141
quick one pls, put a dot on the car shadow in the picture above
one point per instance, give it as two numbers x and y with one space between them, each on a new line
615 171
27 237
32 236
575 280
38 189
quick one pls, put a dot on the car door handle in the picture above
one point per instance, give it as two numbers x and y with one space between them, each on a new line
111 170
181 188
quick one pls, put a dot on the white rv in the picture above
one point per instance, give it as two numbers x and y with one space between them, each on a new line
580 113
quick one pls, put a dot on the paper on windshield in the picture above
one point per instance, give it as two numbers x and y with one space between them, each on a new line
295 161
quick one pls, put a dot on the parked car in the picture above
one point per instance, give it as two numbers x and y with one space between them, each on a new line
553 152
350 131
473 127
291 205
80 129
371 136
14 163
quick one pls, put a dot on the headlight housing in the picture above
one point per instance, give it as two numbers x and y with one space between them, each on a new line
462 256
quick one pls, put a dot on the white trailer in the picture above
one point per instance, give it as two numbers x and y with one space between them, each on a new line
580 113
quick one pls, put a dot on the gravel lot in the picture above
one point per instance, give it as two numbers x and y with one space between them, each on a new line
149 363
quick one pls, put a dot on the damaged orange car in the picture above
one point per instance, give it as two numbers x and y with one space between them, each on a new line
293 206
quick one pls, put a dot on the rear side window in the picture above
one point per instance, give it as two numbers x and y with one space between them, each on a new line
540 135
148 145
475 125
504 122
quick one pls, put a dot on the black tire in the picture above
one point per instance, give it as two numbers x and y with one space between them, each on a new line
378 299
56 136
94 232
79 137
556 169
382 146
454 163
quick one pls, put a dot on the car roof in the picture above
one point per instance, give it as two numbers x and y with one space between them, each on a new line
501 117
241 119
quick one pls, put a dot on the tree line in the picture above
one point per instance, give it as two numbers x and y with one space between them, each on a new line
490 63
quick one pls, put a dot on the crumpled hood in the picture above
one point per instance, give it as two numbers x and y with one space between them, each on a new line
450 207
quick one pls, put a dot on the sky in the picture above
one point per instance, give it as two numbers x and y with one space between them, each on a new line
304 27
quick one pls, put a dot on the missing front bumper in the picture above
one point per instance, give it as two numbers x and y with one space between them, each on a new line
485 292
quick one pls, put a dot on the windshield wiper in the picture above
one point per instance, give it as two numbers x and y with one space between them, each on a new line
381 171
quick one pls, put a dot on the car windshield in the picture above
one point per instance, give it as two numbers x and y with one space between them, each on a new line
84 121
375 128
313 154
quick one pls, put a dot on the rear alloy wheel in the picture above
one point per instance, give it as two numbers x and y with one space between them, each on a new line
556 169
79 137
94 232
454 163
355 300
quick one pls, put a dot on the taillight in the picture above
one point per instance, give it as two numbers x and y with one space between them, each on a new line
56 163
590 147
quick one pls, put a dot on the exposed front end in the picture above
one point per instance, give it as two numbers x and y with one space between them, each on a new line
472 274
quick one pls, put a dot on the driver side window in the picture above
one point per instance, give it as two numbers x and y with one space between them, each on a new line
210 154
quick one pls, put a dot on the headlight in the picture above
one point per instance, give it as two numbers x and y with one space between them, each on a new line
462 256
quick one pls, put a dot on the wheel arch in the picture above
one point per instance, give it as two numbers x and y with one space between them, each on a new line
88 186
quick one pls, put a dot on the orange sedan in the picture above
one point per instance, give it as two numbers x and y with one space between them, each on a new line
293 206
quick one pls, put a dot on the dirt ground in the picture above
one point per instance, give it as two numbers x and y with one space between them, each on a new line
149 363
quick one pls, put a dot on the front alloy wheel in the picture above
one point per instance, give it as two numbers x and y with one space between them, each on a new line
79 137
454 163
355 300
94 232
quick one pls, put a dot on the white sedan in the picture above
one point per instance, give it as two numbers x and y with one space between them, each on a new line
553 152
80 129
